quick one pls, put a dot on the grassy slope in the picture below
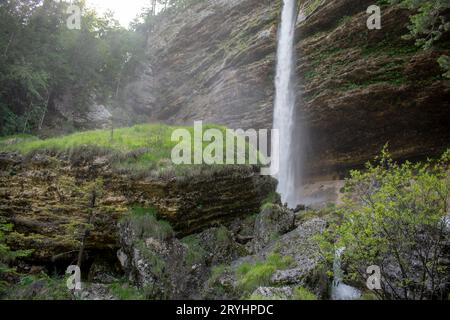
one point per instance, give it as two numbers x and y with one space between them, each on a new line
141 147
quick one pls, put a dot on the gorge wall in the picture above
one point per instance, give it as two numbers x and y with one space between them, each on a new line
47 197
361 88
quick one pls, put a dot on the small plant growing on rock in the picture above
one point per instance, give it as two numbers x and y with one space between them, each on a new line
146 224
253 275
125 291
7 255
301 293
195 253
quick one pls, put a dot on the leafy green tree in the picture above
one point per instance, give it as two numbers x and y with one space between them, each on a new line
395 217
41 61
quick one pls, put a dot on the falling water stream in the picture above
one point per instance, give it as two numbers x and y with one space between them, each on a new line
288 165
341 291
284 111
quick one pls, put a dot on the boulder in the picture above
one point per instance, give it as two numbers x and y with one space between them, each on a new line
95 292
271 223
103 271
300 244
273 293
304 271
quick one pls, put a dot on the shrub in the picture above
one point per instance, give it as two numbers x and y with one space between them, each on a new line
395 217
428 24
272 199
41 287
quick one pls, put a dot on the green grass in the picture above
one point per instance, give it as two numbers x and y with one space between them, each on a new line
124 291
154 138
50 288
270 200
146 225
137 149
301 293
253 275
195 253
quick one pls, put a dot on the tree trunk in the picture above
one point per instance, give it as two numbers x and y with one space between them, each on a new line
154 7
28 117
86 232
41 123
5 53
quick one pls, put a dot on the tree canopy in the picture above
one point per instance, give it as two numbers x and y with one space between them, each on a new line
42 59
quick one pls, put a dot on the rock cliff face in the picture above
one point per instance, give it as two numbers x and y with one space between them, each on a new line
213 62
48 198
358 88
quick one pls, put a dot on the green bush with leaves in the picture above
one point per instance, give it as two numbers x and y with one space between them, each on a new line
41 287
396 217
123 290
444 62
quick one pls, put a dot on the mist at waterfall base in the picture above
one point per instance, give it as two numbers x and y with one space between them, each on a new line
289 162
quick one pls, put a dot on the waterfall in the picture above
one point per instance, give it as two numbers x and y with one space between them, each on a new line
288 175
341 291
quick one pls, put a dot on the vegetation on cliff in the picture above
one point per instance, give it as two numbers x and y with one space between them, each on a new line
7 255
141 147
428 25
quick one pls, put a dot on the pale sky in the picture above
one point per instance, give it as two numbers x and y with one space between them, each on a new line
124 10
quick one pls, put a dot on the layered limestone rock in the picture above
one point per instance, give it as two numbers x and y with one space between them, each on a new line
48 199
358 89
365 88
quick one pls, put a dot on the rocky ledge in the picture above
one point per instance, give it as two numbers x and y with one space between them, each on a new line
56 203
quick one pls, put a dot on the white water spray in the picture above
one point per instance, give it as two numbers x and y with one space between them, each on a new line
289 177
341 291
